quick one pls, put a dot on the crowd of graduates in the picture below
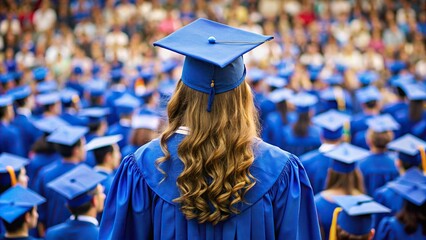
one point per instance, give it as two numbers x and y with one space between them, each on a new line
342 86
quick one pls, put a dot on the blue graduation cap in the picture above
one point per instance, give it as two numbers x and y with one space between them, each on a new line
401 79
334 79
77 184
146 121
213 51
332 123
341 68
96 88
69 95
20 92
17 201
168 65
67 135
46 87
96 69
356 216
48 98
40 73
126 104
77 70
5 100
413 191
17 75
95 114
49 124
414 91
116 75
276 82
6 77
314 71
408 148
383 123
303 101
10 165
280 95
368 94
396 66
345 156
255 74
368 77
101 142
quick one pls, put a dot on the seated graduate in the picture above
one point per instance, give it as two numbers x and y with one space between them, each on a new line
408 163
369 98
24 103
44 152
316 164
85 199
335 97
353 219
107 155
210 175
275 121
10 140
18 212
145 128
95 94
409 222
343 178
400 105
302 136
69 142
49 104
71 105
126 106
379 168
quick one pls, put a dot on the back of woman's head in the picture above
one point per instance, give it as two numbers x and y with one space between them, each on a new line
301 126
343 235
350 183
216 154
413 217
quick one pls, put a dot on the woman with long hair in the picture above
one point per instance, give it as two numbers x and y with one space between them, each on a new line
343 178
209 175
410 221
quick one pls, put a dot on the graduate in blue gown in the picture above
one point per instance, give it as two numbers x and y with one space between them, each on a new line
272 127
49 104
343 178
70 144
125 105
75 81
71 104
315 163
335 97
408 163
95 92
379 168
10 140
353 219
116 90
85 198
397 108
149 200
144 129
44 152
19 216
415 114
302 136
369 98
409 222
24 101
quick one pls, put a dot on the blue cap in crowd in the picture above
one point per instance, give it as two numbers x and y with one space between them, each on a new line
10 165
94 114
69 95
412 189
382 123
104 141
40 73
96 88
345 157
46 87
332 123
408 148
280 95
49 124
67 135
368 94
126 104
48 98
303 101
20 92
368 77
5 100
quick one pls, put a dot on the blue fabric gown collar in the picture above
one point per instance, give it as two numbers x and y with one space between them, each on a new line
265 171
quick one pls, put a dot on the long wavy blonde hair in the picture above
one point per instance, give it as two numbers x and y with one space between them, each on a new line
216 155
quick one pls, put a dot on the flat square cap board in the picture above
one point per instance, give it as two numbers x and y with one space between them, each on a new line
16 201
345 156
101 142
383 123
67 135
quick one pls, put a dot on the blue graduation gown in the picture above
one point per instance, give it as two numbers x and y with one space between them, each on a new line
394 109
359 123
19 238
325 210
54 211
73 119
316 166
108 181
110 98
272 127
27 131
359 139
391 229
119 128
10 140
128 150
38 161
300 145
73 230
282 203
377 170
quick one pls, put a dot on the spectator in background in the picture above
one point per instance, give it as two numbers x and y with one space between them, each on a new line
10 24
44 18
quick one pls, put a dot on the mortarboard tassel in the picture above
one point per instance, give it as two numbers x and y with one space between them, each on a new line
347 131
423 157
12 175
340 98
333 227
211 97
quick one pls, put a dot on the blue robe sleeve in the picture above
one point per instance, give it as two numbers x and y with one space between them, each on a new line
127 214
385 230
295 213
